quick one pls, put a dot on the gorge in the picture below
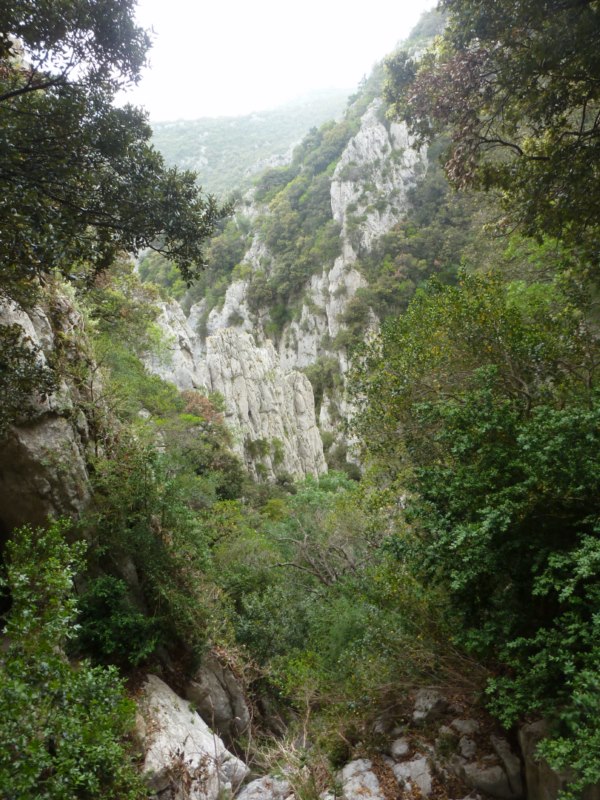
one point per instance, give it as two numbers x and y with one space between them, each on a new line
299 493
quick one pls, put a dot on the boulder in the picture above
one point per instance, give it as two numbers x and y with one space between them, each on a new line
544 783
218 697
416 772
184 759
466 727
266 788
510 762
359 782
489 779
400 748
429 706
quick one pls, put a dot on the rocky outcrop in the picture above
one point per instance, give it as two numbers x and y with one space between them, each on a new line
183 758
369 190
268 787
544 783
219 698
42 457
271 411
368 195
359 782
179 357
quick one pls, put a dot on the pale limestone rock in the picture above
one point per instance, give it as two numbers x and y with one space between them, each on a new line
369 190
400 748
184 759
359 782
429 705
42 458
265 403
180 356
415 772
234 311
265 788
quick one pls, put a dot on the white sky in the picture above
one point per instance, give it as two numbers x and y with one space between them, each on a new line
231 57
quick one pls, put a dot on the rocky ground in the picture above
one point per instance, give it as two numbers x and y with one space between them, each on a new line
446 750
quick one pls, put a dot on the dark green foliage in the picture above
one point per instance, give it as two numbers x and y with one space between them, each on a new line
300 234
62 725
143 514
79 180
499 417
324 376
224 257
112 628
515 85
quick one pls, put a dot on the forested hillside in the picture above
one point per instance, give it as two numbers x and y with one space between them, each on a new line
227 152
299 496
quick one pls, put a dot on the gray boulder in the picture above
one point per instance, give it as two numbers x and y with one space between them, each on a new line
429 706
415 773
359 782
266 788
544 783
183 758
219 698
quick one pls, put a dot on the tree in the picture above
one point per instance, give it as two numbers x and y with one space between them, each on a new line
516 86
79 180
482 399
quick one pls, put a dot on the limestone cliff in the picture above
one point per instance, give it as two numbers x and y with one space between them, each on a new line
269 409
368 195
42 456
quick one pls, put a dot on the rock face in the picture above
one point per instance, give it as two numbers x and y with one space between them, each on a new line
219 699
369 190
184 759
180 358
42 459
237 353
543 783
270 410
266 405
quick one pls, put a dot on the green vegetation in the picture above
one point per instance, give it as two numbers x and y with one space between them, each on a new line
494 392
226 152
91 186
515 86
62 724
466 555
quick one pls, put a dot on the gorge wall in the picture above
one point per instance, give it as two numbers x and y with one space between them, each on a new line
235 348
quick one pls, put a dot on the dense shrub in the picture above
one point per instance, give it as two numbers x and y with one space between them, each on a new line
62 725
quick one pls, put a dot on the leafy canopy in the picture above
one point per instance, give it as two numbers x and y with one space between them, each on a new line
516 86
79 181
482 401
73 744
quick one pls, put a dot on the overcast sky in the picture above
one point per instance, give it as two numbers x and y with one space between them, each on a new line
230 57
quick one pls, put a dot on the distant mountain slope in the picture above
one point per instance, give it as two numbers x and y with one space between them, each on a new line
227 151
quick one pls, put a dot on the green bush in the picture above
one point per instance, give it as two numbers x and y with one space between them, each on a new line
62 725
500 456
111 627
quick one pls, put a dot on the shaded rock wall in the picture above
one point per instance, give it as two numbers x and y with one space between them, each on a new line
42 459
